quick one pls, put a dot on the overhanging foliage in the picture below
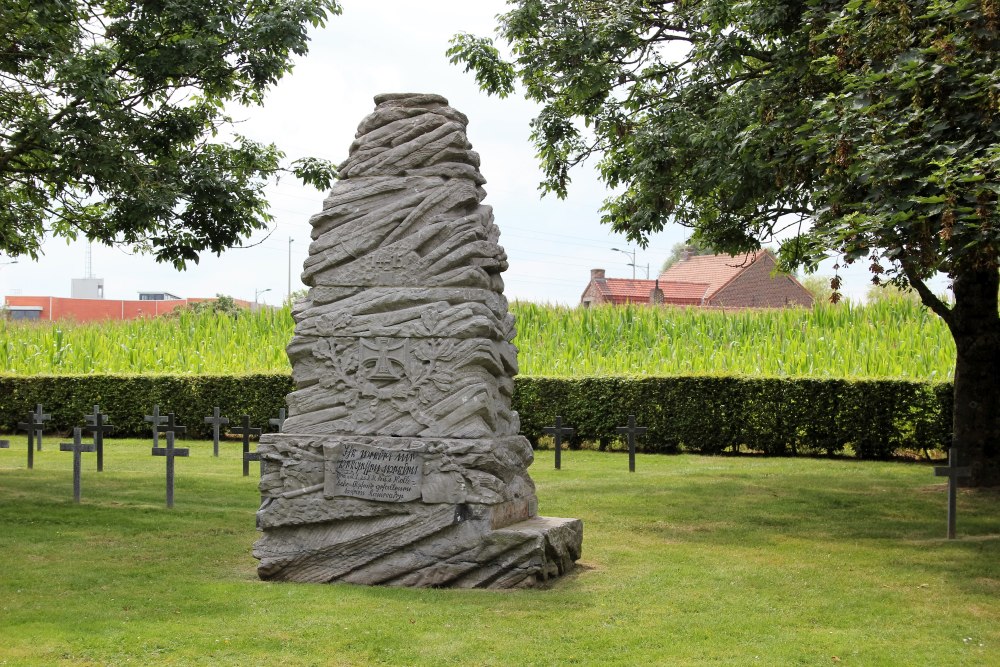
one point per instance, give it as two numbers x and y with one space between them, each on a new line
112 120
867 130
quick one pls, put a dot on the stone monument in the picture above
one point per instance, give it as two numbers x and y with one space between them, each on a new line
400 461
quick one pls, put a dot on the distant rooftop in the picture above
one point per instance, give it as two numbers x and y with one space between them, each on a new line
158 295
633 290
713 271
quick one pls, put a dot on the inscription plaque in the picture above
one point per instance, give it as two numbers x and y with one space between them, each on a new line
373 473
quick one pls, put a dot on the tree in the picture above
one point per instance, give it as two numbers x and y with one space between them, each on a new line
222 304
867 130
295 297
678 249
819 287
890 293
112 120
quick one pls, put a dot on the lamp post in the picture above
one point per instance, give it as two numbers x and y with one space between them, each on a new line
3 308
630 255
289 296
256 295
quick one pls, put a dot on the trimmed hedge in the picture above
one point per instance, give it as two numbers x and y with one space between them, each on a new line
777 416
699 414
127 398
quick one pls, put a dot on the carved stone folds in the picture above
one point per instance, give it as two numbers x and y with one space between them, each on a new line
400 461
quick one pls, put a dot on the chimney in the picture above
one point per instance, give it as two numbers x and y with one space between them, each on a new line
687 253
597 274
656 294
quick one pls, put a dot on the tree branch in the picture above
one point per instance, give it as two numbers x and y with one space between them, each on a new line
929 298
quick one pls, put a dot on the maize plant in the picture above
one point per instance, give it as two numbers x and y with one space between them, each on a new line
887 339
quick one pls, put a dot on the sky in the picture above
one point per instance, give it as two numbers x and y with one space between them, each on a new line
382 46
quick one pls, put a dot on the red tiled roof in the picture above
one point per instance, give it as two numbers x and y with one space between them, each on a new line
683 293
625 290
713 270
722 281
628 290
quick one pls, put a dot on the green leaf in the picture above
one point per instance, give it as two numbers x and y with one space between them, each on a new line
126 110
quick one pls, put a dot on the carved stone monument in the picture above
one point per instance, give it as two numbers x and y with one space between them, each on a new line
400 461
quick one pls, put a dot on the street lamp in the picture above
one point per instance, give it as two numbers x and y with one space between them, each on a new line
290 239
632 256
257 294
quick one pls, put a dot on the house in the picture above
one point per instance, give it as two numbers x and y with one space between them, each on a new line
618 291
158 296
716 281
50 308
743 281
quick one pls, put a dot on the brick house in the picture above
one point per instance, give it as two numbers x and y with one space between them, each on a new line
744 281
715 281
620 291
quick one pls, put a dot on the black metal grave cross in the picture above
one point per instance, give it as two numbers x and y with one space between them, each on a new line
99 427
557 432
631 431
40 419
216 421
156 420
171 426
251 456
280 421
952 471
170 452
245 430
77 447
32 427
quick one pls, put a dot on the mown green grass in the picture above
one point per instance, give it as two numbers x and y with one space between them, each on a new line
888 339
689 561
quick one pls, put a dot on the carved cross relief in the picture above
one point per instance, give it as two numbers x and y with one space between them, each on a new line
383 360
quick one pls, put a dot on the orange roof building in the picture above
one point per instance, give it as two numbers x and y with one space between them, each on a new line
719 281
620 291
51 308
617 290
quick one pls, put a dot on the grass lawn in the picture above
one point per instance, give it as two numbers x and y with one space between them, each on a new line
689 561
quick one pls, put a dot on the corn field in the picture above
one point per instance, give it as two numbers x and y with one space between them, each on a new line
888 339
192 343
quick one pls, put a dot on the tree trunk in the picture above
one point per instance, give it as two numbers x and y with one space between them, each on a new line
975 325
